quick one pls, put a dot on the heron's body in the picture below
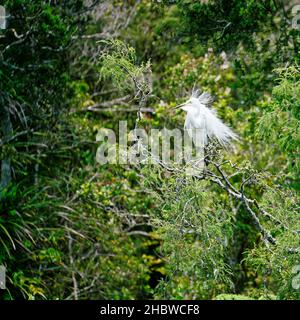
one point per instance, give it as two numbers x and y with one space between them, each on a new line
202 122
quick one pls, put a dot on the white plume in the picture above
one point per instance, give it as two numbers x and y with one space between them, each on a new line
202 122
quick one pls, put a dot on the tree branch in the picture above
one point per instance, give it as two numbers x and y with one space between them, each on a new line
7 131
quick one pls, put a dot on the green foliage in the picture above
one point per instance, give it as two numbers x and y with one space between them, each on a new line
119 63
231 297
225 22
281 120
72 229
196 235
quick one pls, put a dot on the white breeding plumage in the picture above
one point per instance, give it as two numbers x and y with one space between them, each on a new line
202 122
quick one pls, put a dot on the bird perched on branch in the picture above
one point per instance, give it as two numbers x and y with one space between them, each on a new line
202 122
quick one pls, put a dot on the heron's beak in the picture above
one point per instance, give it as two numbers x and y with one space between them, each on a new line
179 106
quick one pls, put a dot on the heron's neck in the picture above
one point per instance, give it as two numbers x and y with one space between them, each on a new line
195 111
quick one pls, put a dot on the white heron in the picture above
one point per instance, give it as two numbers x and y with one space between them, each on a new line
202 122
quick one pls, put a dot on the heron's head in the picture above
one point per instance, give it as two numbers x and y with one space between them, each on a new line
191 105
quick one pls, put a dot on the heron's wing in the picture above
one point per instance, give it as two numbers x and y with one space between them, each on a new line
188 126
215 128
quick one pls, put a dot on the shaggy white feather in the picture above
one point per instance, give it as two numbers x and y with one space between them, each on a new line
202 122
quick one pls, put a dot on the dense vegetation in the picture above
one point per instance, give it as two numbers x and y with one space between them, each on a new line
71 228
